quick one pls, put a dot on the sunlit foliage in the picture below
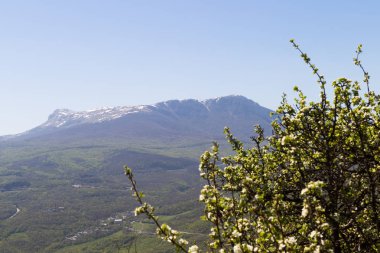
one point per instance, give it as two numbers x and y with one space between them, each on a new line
312 185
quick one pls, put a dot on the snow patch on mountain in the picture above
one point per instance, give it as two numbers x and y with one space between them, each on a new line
65 117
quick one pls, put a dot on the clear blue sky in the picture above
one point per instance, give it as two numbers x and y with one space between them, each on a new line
84 54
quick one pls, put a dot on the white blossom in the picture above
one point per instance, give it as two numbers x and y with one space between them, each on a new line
305 211
183 241
236 234
193 249
291 240
237 249
249 247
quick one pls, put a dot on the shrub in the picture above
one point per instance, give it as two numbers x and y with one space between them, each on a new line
311 186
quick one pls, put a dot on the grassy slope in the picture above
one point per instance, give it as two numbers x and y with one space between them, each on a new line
51 172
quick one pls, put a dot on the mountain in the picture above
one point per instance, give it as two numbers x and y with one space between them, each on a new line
172 122
62 183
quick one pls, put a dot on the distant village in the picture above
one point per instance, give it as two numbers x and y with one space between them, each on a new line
104 226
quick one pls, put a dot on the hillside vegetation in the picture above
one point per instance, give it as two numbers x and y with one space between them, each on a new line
69 188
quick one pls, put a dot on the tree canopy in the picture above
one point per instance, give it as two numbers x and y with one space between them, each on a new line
312 185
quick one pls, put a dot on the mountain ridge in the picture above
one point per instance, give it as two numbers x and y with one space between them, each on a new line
58 117
171 121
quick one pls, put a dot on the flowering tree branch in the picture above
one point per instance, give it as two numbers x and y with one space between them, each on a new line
163 230
312 186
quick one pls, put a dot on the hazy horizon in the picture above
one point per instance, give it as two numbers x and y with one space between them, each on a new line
82 55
